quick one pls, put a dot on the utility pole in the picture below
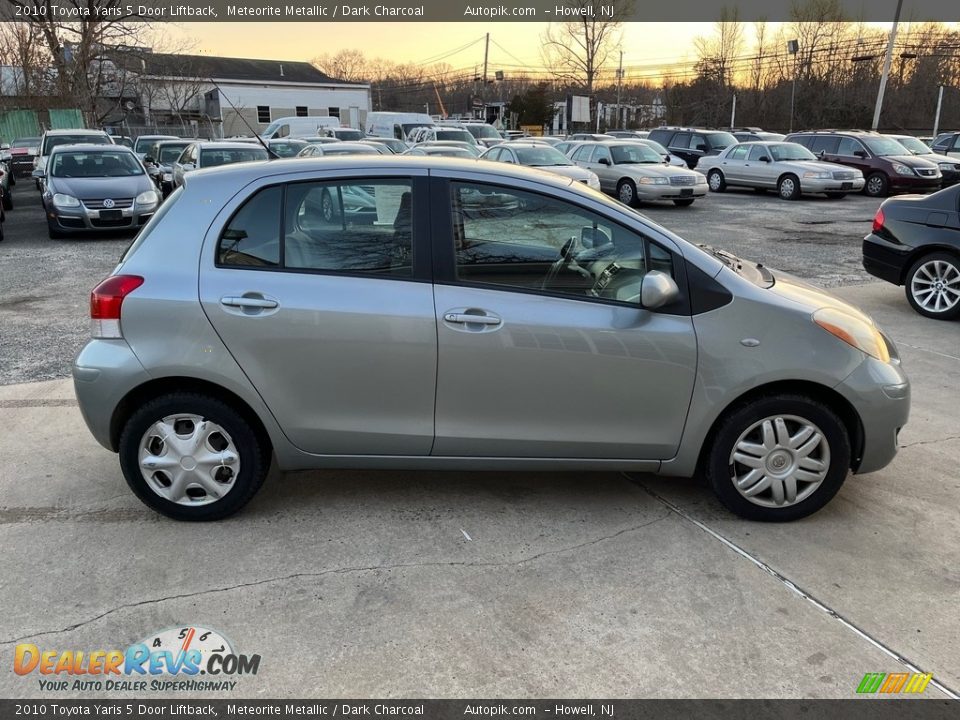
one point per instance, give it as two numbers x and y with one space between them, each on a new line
936 119
733 113
486 54
886 66
793 47
618 124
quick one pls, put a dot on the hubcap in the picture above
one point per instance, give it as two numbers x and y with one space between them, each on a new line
626 193
714 181
188 460
875 185
786 188
936 286
779 461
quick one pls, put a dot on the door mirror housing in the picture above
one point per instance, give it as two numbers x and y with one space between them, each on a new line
764 158
188 166
604 161
860 153
658 289
702 148
821 154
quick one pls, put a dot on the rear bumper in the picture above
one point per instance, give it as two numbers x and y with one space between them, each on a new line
884 259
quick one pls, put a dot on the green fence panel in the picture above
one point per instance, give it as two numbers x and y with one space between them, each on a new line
18 123
66 119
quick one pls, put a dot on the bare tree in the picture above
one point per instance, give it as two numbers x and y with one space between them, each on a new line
348 65
577 51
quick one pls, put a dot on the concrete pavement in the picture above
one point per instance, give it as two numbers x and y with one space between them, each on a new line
395 584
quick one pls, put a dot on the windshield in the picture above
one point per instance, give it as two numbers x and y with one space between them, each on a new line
885 146
25 142
791 151
214 157
454 134
541 156
655 146
288 148
348 134
144 144
410 127
95 164
167 153
483 132
353 150
58 140
914 145
634 153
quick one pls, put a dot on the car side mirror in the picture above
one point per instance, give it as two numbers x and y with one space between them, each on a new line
764 158
604 161
860 153
188 166
821 154
39 174
658 289
702 148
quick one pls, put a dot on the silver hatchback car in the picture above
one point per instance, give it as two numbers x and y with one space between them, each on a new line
451 314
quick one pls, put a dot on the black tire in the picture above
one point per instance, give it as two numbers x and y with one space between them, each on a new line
327 210
684 203
627 189
788 187
876 185
55 234
7 201
836 195
738 419
948 264
253 452
715 181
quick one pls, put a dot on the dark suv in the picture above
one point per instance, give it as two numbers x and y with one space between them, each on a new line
947 144
691 144
887 166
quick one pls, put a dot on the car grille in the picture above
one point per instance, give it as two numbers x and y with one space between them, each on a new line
118 204
119 222
683 180
927 172
844 175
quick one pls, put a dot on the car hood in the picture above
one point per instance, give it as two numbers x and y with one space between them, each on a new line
571 171
813 297
937 158
97 188
813 166
654 170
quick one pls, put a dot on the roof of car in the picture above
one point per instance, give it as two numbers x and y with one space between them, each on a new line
227 145
78 131
91 147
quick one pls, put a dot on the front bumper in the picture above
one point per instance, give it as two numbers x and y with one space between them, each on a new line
880 394
670 192
884 259
83 219
950 177
822 185
104 372
915 184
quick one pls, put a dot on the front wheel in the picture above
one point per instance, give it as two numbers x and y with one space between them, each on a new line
192 457
789 187
778 458
686 202
933 286
716 181
876 185
627 192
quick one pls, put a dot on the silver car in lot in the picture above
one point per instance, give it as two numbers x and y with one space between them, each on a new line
786 167
633 172
542 156
474 316
214 153
96 188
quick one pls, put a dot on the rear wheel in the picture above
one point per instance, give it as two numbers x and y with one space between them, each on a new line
627 192
933 286
789 187
192 457
686 202
716 181
876 185
778 458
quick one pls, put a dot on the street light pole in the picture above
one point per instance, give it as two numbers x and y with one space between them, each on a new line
792 47
886 66
936 119
619 79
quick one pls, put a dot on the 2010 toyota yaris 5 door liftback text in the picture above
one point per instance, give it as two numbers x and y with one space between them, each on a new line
395 312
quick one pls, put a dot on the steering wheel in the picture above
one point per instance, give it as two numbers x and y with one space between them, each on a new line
566 257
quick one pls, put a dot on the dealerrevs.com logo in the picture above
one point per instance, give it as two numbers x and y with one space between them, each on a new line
187 659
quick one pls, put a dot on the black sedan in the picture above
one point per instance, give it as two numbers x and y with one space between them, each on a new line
916 243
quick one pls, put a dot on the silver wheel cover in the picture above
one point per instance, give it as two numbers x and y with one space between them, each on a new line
188 460
787 187
626 193
779 461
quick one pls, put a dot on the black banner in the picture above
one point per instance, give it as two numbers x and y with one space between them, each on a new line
456 10
861 709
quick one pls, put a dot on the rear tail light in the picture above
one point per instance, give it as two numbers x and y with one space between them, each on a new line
105 302
878 221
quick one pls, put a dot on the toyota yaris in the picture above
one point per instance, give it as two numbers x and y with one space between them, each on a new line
488 317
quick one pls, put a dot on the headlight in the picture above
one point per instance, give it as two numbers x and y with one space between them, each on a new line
654 181
902 169
593 181
947 167
854 331
65 201
818 175
701 179
148 197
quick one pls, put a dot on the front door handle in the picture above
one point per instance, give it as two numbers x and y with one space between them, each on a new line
454 317
248 302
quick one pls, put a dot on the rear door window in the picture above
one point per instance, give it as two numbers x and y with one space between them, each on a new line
252 237
738 153
827 144
680 140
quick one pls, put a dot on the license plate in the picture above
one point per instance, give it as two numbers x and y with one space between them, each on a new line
846 186
687 191
111 214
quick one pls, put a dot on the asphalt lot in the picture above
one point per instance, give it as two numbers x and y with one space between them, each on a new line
401 584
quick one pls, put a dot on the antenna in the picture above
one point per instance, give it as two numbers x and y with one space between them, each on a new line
266 147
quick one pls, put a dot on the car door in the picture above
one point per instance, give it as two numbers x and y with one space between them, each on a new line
329 311
680 146
538 360
602 164
731 164
758 172
847 153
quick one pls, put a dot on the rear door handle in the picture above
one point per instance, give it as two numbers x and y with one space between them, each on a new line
454 317
248 302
